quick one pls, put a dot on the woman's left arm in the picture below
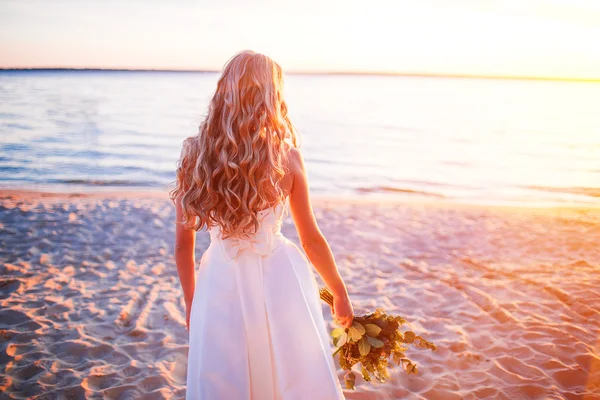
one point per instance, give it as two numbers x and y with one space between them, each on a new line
185 243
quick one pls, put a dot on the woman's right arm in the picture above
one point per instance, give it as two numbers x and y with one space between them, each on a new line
314 243
185 243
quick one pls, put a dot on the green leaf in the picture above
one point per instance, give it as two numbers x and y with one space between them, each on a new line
409 337
372 330
374 342
336 351
364 346
359 327
354 333
342 339
337 332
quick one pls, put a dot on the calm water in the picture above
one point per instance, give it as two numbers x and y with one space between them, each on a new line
475 141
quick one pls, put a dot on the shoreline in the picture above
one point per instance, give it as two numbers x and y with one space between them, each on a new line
317 200
400 74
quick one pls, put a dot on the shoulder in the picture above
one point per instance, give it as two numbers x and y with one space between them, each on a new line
295 160
294 155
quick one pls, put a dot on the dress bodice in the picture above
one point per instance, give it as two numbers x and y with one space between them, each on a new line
263 242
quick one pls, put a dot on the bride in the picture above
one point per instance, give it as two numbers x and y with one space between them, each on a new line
256 328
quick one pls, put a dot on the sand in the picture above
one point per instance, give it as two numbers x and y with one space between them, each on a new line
91 307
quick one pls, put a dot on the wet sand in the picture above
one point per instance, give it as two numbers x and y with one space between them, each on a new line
91 307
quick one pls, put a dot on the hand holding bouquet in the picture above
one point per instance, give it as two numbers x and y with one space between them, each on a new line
372 340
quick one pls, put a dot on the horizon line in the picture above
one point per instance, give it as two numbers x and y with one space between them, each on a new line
349 73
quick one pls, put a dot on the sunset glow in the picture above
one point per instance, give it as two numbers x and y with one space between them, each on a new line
406 203
534 38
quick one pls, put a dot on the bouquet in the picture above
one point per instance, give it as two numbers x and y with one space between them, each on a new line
372 340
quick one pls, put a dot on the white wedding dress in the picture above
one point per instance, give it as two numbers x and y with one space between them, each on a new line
256 326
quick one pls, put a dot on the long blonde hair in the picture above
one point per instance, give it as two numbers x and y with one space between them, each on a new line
233 167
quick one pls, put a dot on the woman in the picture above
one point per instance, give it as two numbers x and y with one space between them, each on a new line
256 329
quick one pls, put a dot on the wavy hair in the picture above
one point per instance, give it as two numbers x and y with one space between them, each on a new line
233 167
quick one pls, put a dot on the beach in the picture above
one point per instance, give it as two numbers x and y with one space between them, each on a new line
91 306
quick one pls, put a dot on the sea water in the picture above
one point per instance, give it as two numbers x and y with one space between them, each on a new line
468 140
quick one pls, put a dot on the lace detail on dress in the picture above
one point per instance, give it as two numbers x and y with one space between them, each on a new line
263 242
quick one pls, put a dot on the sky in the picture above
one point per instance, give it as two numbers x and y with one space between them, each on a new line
540 38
